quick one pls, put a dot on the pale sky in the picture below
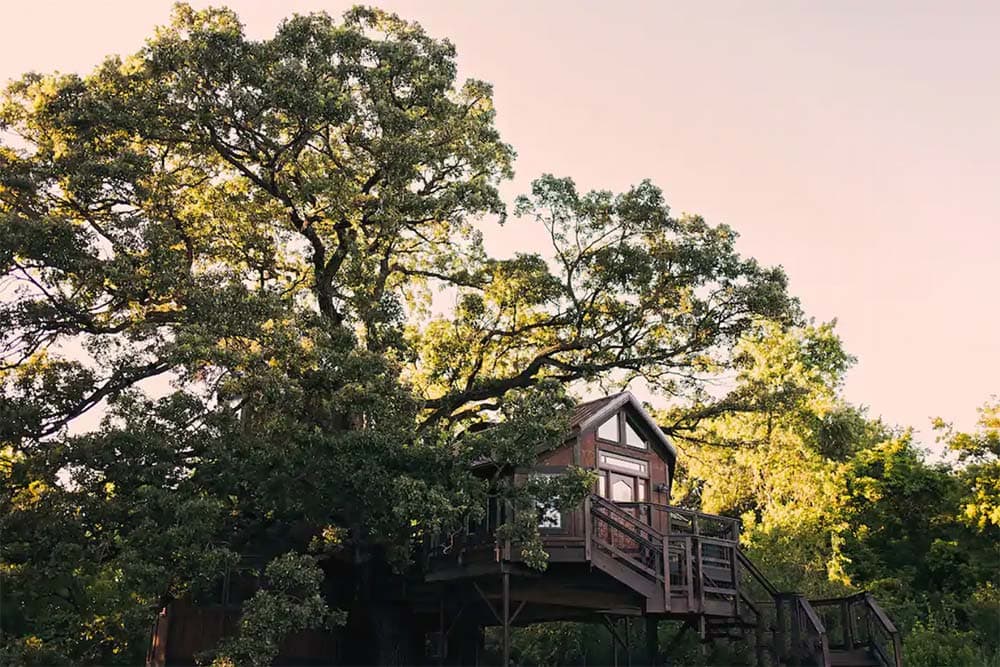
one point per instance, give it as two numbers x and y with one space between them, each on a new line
855 143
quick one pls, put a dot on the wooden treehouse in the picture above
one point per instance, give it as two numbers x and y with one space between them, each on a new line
625 554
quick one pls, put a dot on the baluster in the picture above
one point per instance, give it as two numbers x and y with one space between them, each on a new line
845 620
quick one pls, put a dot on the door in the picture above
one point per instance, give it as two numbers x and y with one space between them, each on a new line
622 489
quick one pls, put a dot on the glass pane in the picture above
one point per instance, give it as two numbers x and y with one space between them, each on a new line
632 438
623 463
602 485
609 430
548 517
642 491
621 491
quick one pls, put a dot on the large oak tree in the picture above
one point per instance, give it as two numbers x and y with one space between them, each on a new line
231 249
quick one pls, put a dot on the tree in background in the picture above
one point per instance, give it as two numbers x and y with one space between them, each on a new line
231 249
832 501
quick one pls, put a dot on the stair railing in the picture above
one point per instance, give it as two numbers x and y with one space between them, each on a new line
807 642
882 633
630 541
858 621
798 635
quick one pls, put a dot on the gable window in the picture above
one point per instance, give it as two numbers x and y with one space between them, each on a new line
632 437
609 430
621 430
624 464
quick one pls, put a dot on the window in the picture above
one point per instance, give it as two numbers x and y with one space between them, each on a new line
548 517
632 437
623 489
609 430
619 429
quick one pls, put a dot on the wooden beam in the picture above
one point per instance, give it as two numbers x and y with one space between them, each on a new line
486 599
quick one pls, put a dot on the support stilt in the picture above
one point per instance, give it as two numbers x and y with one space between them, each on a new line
628 642
506 619
652 641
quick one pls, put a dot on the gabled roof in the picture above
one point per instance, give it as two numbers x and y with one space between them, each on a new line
592 414
584 411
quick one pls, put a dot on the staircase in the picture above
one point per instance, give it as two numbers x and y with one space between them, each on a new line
689 565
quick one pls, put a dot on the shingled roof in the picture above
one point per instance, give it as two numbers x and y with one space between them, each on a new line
584 411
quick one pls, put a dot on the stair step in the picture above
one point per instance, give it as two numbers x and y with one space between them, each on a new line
856 658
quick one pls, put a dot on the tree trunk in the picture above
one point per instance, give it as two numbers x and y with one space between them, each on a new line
384 633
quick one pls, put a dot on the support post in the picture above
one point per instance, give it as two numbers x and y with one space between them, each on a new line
628 642
759 632
506 619
652 641
779 633
614 646
442 633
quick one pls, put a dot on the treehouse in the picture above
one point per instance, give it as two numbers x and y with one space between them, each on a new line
623 555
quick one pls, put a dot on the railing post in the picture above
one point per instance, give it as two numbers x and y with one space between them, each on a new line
734 569
845 621
779 632
796 632
666 573
689 575
588 521
701 578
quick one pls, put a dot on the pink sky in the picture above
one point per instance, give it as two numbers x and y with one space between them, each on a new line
855 143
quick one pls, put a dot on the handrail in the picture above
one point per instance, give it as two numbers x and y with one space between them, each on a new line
629 532
730 525
618 509
889 628
752 568
880 614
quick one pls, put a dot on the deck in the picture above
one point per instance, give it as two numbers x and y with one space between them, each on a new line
611 560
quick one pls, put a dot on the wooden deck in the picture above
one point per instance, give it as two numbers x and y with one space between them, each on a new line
657 562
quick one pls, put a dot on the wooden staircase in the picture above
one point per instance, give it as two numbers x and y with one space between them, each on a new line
691 567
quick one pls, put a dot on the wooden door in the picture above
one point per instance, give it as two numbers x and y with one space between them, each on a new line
622 489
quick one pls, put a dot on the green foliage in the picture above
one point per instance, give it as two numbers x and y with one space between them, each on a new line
291 602
980 452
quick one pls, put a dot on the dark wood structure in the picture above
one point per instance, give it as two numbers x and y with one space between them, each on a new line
624 553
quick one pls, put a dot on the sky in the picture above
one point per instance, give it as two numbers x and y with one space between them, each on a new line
857 144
